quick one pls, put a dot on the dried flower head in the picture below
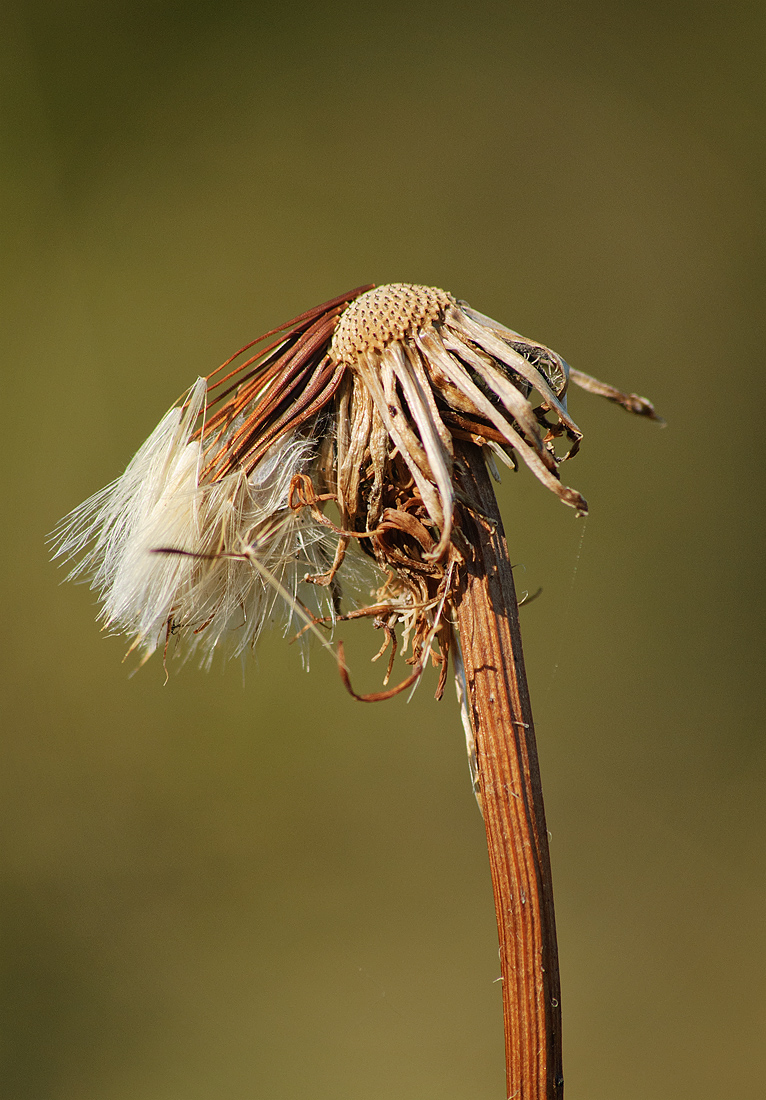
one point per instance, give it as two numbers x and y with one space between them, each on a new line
220 515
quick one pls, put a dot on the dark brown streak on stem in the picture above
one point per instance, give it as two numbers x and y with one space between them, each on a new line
511 791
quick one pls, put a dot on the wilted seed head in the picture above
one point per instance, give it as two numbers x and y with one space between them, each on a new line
384 314
359 401
433 369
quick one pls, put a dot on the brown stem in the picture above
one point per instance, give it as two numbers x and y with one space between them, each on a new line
511 792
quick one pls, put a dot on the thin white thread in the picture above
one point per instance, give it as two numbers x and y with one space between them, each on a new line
568 604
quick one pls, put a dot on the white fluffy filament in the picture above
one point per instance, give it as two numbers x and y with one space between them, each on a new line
169 552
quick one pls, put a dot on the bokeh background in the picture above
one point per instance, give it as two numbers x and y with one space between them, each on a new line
243 884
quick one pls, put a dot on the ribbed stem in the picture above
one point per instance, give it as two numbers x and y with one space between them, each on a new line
511 792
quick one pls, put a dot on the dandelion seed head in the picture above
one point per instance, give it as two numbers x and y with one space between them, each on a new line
384 314
218 519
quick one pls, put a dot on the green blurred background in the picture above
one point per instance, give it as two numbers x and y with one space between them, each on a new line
246 887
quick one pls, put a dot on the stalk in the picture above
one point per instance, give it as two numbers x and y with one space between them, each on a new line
511 792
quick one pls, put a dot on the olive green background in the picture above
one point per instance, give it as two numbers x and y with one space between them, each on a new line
246 885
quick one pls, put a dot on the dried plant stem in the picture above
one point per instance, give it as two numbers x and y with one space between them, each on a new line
511 793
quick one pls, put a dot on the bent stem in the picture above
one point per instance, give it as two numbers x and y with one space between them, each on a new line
511 792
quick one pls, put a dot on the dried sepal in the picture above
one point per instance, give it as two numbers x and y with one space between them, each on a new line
631 402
